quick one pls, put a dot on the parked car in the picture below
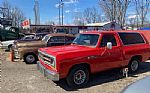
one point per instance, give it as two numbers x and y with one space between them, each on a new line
29 37
34 36
28 50
10 34
93 52
7 45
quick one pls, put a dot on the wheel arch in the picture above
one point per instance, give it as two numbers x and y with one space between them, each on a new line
139 57
10 45
81 64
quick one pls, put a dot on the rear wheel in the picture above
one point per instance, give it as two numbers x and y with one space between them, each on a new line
134 65
30 58
78 77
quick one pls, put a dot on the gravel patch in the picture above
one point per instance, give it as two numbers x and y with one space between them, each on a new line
18 77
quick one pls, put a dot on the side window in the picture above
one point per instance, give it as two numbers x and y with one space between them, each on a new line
108 38
69 39
28 37
131 38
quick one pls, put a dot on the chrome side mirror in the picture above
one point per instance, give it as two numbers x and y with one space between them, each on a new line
109 45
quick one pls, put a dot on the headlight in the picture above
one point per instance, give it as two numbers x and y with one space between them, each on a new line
1 43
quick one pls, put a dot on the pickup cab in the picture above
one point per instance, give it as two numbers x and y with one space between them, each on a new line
93 52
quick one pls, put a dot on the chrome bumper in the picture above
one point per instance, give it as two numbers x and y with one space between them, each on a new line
47 73
16 54
3 47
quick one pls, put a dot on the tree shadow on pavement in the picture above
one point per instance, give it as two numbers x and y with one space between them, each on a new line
105 77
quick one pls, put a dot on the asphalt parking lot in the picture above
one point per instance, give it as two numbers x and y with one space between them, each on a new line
18 77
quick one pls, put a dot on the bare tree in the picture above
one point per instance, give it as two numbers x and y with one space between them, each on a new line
13 13
78 19
115 10
17 16
142 7
91 15
6 7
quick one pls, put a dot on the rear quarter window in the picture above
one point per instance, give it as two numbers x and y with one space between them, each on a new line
131 38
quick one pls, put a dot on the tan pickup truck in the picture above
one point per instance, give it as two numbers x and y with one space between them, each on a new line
28 50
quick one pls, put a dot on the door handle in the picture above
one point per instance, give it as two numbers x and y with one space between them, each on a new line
92 57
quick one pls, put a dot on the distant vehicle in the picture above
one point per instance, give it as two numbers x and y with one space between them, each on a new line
11 34
140 86
28 50
34 36
29 37
7 45
93 52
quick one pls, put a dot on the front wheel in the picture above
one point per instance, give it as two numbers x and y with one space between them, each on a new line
134 65
30 58
9 47
78 77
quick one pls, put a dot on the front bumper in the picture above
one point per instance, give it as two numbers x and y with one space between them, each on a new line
16 54
3 47
47 73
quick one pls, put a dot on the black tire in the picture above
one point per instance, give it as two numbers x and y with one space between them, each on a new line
134 65
72 81
31 56
9 47
0 38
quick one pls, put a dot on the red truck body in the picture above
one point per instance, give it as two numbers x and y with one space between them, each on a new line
95 58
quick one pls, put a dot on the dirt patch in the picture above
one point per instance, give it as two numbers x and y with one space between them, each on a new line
18 77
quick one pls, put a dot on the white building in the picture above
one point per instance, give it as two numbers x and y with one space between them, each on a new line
104 26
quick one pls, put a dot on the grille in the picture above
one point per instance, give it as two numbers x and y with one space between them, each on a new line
47 59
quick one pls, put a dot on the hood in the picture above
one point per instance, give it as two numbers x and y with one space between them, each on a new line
36 43
6 43
9 41
70 51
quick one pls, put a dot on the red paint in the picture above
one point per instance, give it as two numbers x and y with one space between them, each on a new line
98 58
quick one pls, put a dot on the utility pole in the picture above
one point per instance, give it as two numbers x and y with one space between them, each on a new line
113 10
62 6
142 8
36 11
59 11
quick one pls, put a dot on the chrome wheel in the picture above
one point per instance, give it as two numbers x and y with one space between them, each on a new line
30 58
79 77
134 65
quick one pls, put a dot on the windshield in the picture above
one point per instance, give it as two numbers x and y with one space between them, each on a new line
40 36
45 38
86 39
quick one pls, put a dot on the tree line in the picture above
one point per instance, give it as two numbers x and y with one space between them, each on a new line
12 13
107 10
117 10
